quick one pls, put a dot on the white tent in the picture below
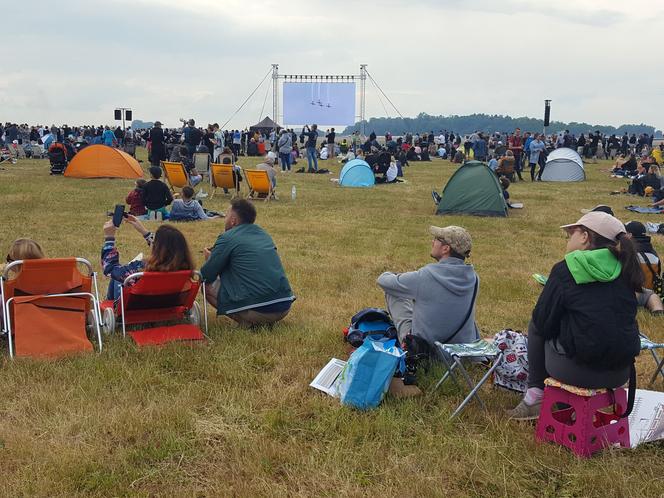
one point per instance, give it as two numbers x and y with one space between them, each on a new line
563 165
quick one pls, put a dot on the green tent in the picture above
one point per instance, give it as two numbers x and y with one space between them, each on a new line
473 189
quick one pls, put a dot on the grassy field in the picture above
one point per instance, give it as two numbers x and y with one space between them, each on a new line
236 416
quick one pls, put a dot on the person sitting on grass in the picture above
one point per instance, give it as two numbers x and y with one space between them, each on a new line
583 330
169 251
648 258
156 194
243 275
135 199
187 208
436 302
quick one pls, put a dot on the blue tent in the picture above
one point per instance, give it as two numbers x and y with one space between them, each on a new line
356 173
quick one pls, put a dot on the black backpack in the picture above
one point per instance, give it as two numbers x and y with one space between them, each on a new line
369 321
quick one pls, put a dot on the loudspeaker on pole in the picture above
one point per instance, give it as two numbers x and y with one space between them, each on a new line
547 112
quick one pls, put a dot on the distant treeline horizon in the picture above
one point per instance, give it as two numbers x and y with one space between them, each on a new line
488 123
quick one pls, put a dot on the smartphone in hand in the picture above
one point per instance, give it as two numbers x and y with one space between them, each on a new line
118 214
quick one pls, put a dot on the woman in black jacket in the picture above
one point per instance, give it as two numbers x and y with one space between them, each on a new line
583 330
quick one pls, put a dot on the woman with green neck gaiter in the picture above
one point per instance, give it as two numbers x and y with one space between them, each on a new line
583 330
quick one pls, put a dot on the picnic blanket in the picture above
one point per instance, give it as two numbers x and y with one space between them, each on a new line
645 210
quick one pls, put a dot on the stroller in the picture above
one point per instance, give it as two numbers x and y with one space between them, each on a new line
57 156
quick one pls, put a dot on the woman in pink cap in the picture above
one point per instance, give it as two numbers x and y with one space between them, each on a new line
583 330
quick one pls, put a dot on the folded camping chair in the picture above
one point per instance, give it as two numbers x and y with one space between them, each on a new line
46 303
648 345
221 176
453 356
202 162
176 175
259 182
151 297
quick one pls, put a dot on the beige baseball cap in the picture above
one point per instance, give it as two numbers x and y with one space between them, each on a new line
456 237
601 223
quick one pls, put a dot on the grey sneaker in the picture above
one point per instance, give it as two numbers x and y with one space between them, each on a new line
523 411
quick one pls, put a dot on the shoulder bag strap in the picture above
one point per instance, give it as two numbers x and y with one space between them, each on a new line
470 310
648 264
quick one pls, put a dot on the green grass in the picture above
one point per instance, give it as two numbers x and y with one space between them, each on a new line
236 416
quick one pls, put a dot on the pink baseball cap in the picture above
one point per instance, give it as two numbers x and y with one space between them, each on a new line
601 223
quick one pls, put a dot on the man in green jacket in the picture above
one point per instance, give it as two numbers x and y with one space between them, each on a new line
243 275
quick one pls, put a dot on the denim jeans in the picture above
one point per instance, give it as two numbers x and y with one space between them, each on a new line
311 157
285 161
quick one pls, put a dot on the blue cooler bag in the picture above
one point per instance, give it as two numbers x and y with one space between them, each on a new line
368 372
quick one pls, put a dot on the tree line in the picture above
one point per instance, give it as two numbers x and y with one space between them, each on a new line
488 123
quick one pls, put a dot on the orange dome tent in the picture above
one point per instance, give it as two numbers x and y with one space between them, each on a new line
101 161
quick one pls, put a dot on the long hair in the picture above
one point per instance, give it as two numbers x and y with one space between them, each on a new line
170 251
625 252
25 249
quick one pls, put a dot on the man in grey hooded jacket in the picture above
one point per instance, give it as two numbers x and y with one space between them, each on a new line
436 302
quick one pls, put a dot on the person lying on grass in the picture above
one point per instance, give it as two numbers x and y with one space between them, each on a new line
583 330
169 251
243 275
436 302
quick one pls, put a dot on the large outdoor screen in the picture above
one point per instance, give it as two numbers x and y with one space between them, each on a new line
320 103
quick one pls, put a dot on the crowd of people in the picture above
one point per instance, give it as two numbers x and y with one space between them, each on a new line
584 335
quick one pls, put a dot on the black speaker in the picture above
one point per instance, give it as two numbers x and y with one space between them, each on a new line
547 113
128 114
118 115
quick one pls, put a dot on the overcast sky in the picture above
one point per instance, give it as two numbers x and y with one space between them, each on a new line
74 61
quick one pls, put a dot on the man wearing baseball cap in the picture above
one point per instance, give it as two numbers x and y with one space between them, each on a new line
436 302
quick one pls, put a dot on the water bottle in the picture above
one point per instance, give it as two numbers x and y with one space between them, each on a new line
293 193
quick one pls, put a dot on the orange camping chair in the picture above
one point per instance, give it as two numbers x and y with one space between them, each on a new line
46 303
259 183
176 175
222 176
153 297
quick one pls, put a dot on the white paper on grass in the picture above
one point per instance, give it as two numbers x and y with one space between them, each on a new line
646 422
328 378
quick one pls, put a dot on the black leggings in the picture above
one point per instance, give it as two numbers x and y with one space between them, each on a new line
548 359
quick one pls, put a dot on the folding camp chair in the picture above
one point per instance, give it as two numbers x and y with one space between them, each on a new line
152 297
202 162
259 183
222 176
176 175
46 303
453 356
648 345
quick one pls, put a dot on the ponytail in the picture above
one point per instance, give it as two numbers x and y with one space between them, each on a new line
625 252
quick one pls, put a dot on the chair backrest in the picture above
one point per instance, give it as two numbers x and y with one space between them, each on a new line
175 174
258 180
43 325
157 296
32 277
221 158
202 162
221 176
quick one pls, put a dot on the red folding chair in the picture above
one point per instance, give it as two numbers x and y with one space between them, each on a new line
157 297
46 304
